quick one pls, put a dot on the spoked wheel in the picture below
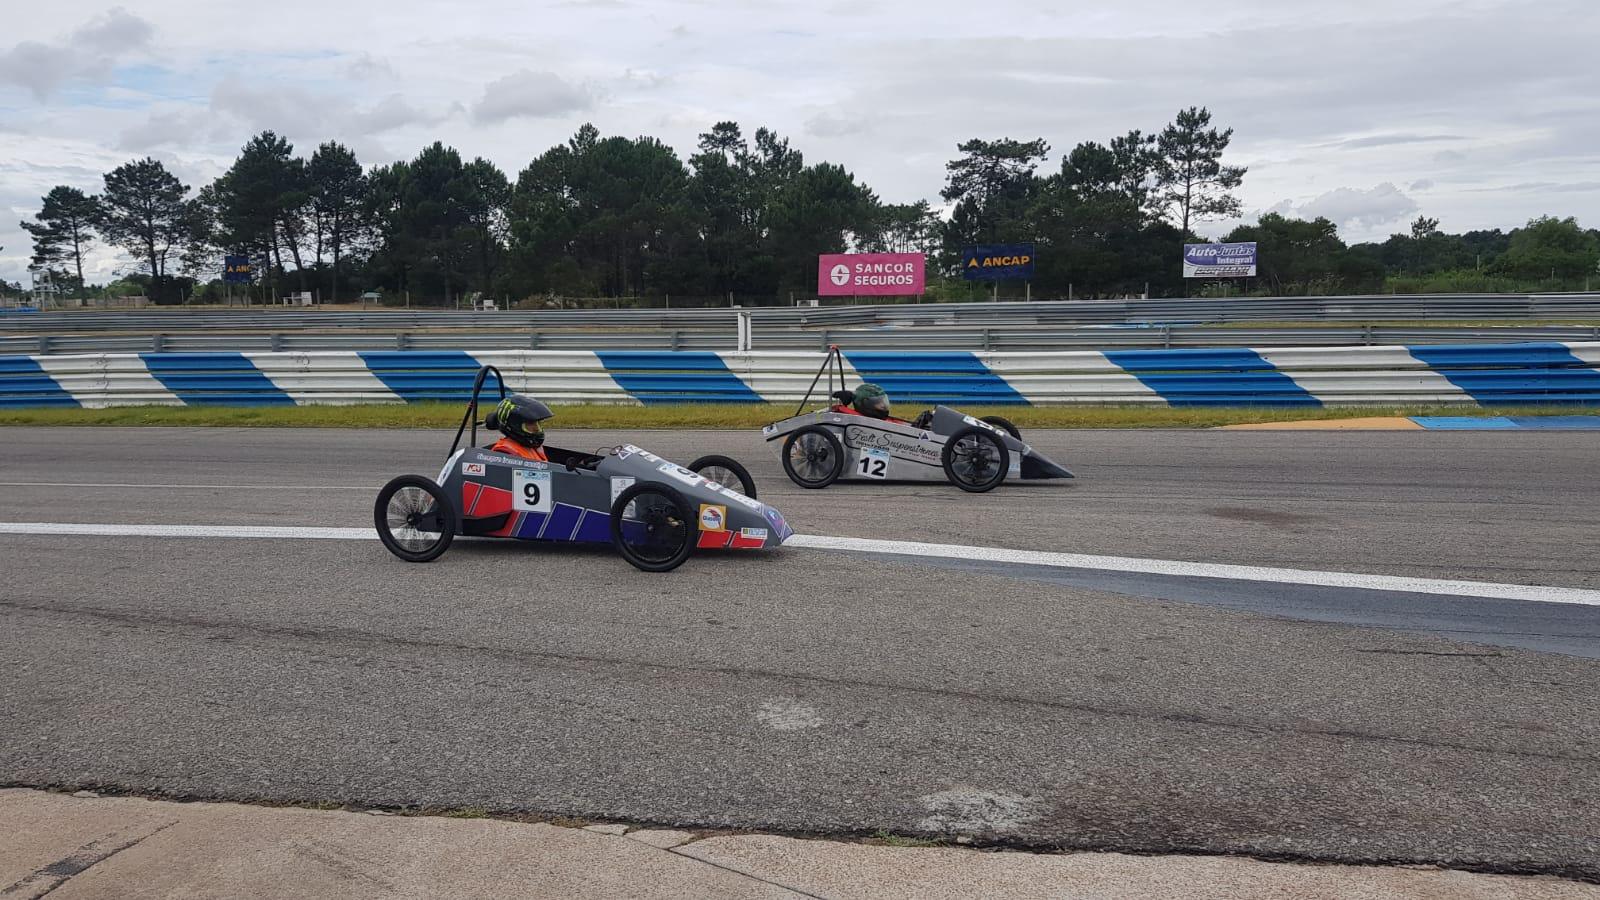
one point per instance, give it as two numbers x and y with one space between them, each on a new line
726 472
812 457
1004 424
413 519
975 460
653 527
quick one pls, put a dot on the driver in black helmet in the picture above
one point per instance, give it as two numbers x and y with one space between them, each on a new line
518 417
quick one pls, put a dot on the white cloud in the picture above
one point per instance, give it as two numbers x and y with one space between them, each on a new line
1327 100
536 95
1381 205
87 54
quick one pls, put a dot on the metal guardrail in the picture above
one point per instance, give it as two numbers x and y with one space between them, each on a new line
1468 307
1529 373
926 337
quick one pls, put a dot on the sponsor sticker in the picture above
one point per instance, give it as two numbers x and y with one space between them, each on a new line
740 499
620 483
530 490
444 473
713 517
679 472
475 469
770 429
759 534
902 446
979 423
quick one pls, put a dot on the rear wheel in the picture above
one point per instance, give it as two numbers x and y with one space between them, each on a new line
975 460
1004 424
653 527
726 472
413 519
812 457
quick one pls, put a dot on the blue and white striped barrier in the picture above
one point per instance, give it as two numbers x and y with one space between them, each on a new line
1524 373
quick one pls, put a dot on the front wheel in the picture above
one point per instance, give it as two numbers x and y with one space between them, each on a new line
726 472
812 457
653 527
413 519
975 460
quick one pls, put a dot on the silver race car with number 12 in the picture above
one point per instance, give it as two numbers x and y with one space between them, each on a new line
942 444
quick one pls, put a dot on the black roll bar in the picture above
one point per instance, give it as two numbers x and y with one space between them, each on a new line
472 407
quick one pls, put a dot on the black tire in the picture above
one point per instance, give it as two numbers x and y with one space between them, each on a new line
816 453
1004 424
413 518
975 460
669 527
746 485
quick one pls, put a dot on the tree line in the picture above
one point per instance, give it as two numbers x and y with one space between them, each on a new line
742 217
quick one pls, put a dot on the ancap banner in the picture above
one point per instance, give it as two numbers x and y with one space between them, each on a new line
997 262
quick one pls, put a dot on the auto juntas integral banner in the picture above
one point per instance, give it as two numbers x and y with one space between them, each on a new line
1219 260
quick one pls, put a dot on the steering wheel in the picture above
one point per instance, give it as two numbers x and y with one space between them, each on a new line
923 419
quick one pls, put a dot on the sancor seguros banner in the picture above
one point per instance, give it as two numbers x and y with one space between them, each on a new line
869 274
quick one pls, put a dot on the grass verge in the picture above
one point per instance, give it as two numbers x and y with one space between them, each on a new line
729 416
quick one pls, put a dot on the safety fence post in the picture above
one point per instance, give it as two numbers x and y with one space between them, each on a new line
158 343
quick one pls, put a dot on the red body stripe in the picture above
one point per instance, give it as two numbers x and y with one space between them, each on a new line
714 540
740 542
493 501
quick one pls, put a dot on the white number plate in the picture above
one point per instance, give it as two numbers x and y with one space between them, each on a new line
530 490
873 464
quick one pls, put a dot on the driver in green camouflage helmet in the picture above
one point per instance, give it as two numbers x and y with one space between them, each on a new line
872 400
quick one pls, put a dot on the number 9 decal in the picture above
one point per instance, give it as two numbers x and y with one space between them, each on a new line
531 490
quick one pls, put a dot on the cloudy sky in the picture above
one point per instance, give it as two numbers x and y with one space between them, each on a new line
1481 113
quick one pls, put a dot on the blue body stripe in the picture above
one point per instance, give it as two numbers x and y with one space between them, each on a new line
25 383
214 378
594 528
675 377
563 523
934 377
1501 374
1232 376
425 374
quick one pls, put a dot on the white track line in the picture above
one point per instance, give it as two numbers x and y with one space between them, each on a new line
168 487
1128 564
107 529
1485 589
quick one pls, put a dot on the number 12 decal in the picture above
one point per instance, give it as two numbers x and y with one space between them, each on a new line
873 464
530 490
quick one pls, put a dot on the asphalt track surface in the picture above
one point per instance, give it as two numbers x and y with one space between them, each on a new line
834 692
